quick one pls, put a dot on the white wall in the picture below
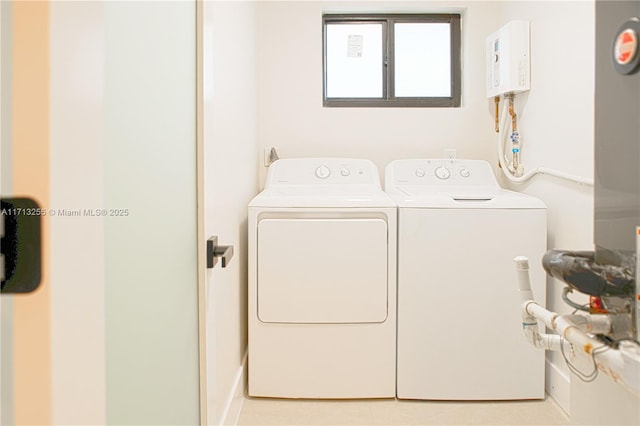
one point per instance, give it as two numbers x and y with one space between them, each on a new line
292 118
231 180
603 402
556 124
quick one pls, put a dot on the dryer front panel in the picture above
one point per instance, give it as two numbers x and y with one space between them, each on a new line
331 270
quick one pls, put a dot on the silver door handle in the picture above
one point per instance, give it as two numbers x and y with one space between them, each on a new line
214 251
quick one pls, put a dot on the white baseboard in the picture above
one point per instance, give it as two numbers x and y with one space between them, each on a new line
558 386
235 399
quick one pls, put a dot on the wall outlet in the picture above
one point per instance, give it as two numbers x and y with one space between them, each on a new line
450 154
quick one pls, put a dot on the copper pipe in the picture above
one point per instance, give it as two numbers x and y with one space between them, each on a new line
512 113
496 99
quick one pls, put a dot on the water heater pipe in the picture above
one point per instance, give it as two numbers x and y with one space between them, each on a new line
509 171
621 363
496 100
512 113
516 166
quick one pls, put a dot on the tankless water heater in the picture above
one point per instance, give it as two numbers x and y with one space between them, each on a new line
508 60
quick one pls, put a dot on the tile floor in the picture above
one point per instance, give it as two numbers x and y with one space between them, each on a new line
256 411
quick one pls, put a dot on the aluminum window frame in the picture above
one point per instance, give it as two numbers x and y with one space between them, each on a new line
388 98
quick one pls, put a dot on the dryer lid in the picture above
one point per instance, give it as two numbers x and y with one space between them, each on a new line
322 182
323 171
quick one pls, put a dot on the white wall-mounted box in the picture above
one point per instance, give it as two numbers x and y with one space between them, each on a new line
508 59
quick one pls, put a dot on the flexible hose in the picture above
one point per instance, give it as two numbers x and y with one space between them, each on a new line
507 169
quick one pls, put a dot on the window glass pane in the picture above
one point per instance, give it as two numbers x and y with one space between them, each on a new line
422 60
354 60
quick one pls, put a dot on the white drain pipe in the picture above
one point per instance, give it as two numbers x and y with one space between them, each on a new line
621 364
549 342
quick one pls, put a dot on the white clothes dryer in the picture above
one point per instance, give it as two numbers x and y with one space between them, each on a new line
459 314
322 282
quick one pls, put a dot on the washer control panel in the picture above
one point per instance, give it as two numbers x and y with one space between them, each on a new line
440 172
322 171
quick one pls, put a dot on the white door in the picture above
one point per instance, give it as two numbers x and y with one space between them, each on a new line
98 126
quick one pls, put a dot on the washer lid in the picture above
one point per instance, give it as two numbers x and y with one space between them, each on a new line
451 184
463 198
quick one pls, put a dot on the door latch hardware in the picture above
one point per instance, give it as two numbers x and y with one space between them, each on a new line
214 251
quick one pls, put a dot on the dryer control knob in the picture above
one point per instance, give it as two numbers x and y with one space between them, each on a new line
442 173
345 172
465 173
323 172
420 173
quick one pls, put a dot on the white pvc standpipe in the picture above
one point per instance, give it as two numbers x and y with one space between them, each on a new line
529 322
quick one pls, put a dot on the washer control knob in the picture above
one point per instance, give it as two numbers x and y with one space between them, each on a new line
323 172
345 171
442 173
420 172
465 173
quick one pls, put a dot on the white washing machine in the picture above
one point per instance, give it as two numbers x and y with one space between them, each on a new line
322 282
459 314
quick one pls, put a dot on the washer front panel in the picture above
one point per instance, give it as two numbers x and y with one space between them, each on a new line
459 329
